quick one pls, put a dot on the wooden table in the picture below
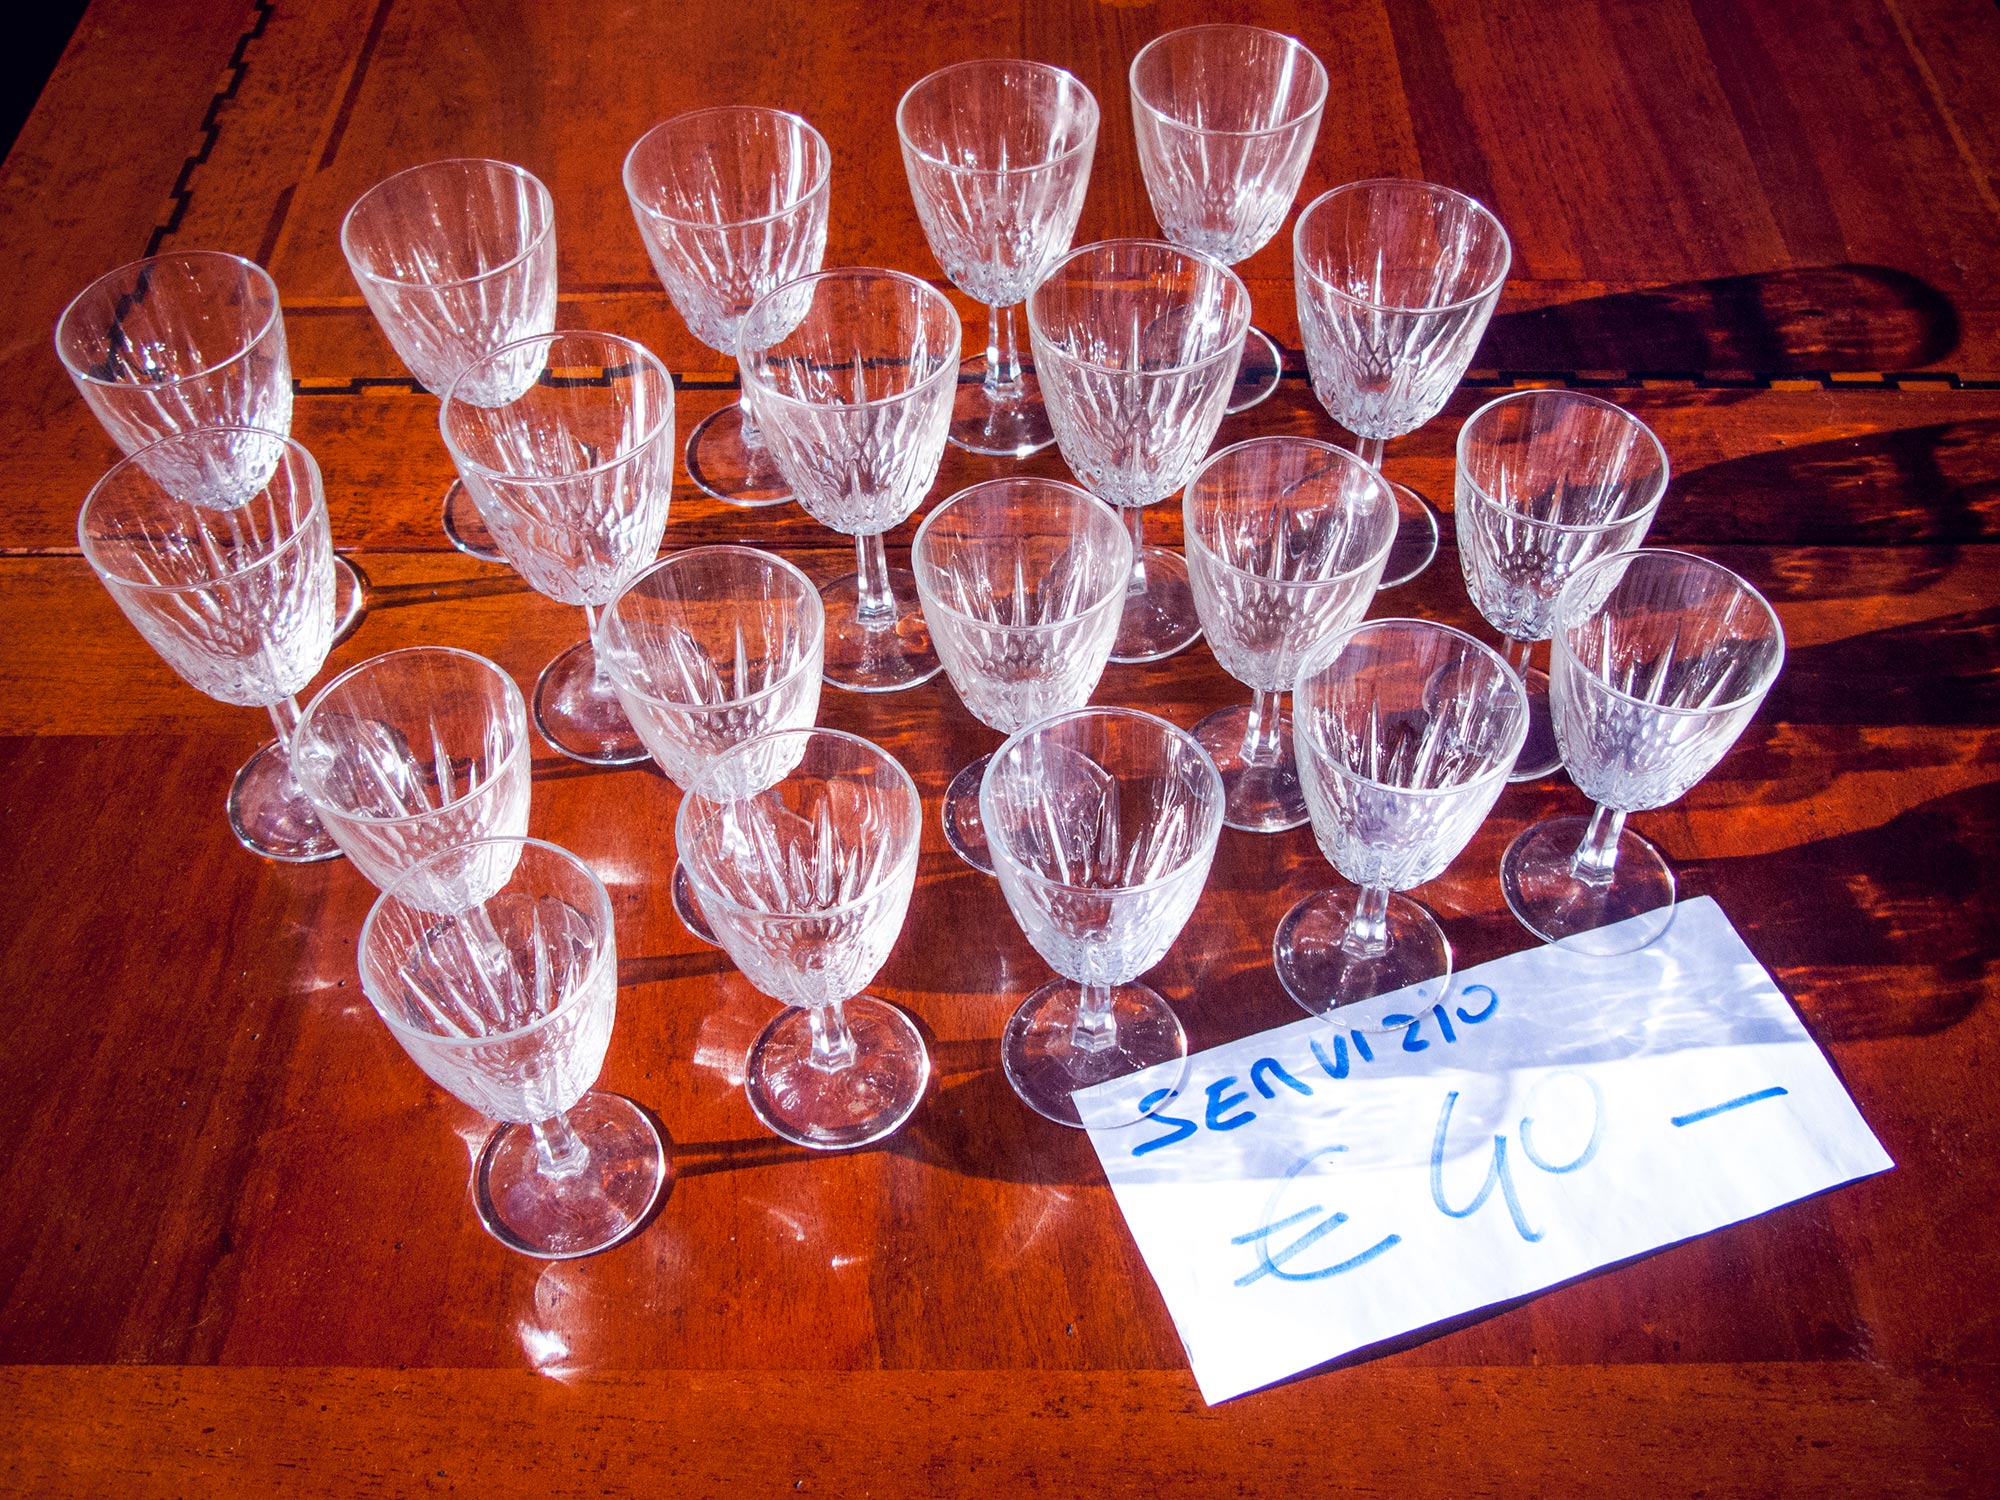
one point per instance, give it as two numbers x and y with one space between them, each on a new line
237 1249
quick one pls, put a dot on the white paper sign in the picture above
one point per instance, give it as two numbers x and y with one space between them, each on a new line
1322 1187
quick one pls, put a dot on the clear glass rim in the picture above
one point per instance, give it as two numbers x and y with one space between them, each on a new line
521 749
1191 533
684 819
1490 289
766 391
921 565
1212 805
408 879
807 589
1232 350
816 189
1318 104
257 273
1321 655
1563 625
545 197
1563 528
1085 142
453 401
314 511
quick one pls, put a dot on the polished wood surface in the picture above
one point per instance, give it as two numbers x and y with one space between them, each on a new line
237 1247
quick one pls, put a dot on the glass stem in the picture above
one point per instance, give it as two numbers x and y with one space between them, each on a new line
1368 930
1369 451
1003 356
1517 654
557 1149
875 606
1596 858
597 678
1096 1028
833 1046
749 432
285 719
1135 522
1263 737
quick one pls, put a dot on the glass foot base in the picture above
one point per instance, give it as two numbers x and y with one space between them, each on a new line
350 597
1010 428
1539 754
722 465
1579 917
579 714
689 910
963 829
1258 374
1045 1065
465 528
270 814
865 1101
882 658
1162 620
1416 537
1257 799
559 1218
1322 976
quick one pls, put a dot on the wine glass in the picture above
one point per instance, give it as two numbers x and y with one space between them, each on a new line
1023 583
1286 538
1136 343
573 477
1547 481
412 752
457 258
998 155
802 846
195 339
504 995
708 648
853 374
1102 823
731 203
1659 660
235 594
1406 730
1396 282
1226 117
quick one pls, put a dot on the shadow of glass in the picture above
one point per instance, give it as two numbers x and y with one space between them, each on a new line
1883 933
1937 485
1816 319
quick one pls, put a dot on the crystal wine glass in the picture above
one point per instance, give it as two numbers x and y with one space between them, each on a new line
505 994
1136 344
1396 282
236 594
1226 117
853 374
708 648
1406 730
731 203
457 258
998 155
192 340
1286 538
802 846
1102 823
1023 583
1660 659
1547 482
412 752
573 477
